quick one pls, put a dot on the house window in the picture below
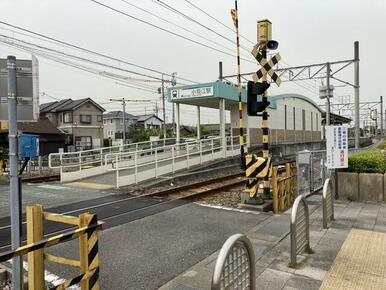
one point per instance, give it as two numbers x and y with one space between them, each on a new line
99 118
83 142
111 121
85 119
285 117
67 117
110 133
303 120
105 122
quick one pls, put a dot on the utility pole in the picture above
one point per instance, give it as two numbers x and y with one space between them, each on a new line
15 198
174 83
123 101
356 89
328 71
381 100
163 106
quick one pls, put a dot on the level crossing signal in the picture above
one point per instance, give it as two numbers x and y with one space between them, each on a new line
253 90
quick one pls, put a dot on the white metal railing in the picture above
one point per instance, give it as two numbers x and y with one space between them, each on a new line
95 157
132 155
183 152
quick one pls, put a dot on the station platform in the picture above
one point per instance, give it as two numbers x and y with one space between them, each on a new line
348 255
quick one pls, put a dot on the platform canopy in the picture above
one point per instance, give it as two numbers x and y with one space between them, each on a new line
206 94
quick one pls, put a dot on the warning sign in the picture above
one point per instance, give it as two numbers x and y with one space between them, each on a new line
336 147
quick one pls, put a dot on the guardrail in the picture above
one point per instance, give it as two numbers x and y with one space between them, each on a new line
328 203
300 230
283 185
235 265
87 232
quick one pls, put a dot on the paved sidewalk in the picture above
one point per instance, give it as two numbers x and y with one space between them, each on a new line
271 243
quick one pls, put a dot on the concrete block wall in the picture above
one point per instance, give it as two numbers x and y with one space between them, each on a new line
362 186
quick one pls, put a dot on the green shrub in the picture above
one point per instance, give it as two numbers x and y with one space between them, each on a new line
3 153
371 161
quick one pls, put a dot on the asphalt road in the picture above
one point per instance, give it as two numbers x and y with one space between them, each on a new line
148 252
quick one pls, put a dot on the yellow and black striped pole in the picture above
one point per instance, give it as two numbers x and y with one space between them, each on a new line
264 126
235 17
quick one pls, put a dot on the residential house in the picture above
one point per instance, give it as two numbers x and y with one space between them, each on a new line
149 122
51 139
81 119
113 124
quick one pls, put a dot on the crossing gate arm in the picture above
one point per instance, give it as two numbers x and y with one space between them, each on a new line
328 203
300 230
89 256
235 265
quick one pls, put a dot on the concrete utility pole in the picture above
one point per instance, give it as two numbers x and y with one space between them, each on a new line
123 101
328 71
163 106
124 120
15 198
356 89
174 83
381 101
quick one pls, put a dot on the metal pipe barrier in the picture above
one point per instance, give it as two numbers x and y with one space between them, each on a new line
283 185
87 232
328 203
300 230
235 265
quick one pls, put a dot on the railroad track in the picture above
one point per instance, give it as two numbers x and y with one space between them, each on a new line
128 209
40 179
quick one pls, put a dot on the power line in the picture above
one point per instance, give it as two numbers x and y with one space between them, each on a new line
177 25
71 64
171 8
164 29
12 43
90 51
218 21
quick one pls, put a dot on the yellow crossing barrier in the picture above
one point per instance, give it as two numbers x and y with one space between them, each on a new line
283 186
87 232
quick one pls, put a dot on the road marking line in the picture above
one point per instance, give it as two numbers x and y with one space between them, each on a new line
227 208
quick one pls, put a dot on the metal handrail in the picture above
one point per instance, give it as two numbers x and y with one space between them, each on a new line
225 253
327 196
295 248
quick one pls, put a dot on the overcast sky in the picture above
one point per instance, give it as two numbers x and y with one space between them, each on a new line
308 31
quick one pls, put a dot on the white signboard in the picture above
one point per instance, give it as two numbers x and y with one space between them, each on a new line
337 147
192 93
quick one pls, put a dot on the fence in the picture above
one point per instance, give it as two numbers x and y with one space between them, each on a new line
235 265
87 232
283 185
152 163
300 229
312 171
328 203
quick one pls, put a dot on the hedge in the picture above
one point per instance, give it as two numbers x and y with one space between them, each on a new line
371 161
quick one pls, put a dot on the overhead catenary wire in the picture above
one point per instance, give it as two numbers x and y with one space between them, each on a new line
91 51
165 30
177 25
171 8
75 65
11 42
218 21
